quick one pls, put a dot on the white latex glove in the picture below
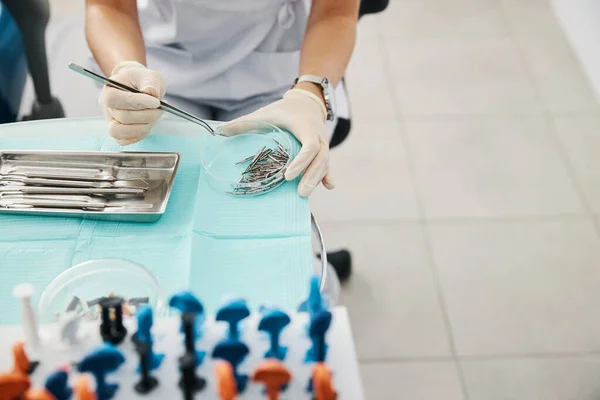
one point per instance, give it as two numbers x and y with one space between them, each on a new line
303 114
131 116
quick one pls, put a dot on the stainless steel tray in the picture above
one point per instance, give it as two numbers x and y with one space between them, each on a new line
157 170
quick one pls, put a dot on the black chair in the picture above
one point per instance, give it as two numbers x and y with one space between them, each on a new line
372 7
31 16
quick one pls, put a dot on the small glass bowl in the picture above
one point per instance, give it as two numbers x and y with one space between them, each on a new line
92 280
222 156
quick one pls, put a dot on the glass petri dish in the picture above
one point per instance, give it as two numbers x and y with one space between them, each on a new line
92 280
227 158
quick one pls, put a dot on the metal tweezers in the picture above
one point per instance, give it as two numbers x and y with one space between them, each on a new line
163 105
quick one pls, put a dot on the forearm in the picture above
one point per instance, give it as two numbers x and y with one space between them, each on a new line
113 33
329 39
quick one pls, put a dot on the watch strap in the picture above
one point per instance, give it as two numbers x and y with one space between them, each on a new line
310 78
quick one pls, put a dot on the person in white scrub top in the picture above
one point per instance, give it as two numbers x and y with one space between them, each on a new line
226 60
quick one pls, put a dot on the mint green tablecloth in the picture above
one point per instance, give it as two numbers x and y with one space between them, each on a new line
211 242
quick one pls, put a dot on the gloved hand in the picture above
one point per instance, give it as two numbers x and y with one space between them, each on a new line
303 114
131 116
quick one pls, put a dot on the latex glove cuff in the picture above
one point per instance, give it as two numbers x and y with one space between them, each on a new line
295 93
125 65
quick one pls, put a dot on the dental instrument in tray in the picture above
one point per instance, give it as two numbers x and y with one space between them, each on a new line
72 190
52 172
25 180
67 204
163 105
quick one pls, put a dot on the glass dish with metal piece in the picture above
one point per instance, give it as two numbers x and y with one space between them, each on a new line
249 159
80 288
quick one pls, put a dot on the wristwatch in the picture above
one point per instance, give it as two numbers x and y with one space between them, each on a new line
328 92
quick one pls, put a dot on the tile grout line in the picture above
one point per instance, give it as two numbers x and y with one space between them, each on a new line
555 355
548 117
505 219
578 186
459 220
421 214
482 116
393 360
480 357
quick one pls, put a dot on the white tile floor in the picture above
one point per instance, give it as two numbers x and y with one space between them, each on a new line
468 192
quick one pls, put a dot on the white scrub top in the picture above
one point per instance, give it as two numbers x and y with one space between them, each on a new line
223 49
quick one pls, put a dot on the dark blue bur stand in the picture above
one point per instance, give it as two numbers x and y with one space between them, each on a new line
57 385
273 322
231 348
143 336
233 312
315 300
191 308
319 322
186 303
234 352
105 359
